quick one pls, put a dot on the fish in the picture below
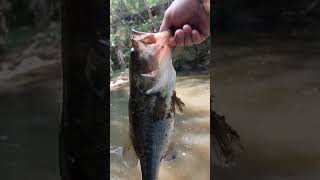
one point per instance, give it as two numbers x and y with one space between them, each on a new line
152 104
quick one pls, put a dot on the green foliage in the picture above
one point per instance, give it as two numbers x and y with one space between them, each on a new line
133 14
194 57
121 27
32 12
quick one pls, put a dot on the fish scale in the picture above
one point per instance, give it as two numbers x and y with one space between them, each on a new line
150 137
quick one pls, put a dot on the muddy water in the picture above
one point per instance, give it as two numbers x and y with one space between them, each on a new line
29 130
269 90
192 128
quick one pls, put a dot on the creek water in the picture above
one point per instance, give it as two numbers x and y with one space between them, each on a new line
192 129
269 90
29 126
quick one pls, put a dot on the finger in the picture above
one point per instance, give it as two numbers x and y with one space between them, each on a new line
172 42
179 37
196 37
187 35
166 22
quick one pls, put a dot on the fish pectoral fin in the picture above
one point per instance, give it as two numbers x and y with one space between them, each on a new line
151 74
171 153
129 155
178 103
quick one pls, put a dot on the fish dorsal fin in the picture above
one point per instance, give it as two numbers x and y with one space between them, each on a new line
171 152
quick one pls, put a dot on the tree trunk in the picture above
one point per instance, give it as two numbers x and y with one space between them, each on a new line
146 14
121 61
111 71
84 126
150 15
4 6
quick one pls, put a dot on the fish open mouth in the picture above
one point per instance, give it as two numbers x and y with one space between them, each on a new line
152 59
152 49
151 38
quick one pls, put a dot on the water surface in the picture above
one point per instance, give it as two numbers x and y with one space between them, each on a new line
192 129
269 90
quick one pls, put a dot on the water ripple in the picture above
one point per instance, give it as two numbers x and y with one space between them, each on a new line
116 150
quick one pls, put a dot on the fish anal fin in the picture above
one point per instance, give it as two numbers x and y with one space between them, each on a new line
171 153
129 155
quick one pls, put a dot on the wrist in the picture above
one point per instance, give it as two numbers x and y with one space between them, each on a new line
205 5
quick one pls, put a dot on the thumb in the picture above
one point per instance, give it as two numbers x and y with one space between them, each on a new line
166 22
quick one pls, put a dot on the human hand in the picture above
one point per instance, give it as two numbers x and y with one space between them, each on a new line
191 21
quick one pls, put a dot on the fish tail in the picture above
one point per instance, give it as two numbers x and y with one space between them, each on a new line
150 169
150 162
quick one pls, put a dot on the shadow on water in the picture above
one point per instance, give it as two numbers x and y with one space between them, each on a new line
192 129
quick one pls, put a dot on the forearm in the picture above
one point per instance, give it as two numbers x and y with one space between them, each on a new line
205 4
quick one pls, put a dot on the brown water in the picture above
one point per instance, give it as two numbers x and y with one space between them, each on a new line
29 109
192 128
269 90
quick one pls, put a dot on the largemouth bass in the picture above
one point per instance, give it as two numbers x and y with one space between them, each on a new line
152 103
